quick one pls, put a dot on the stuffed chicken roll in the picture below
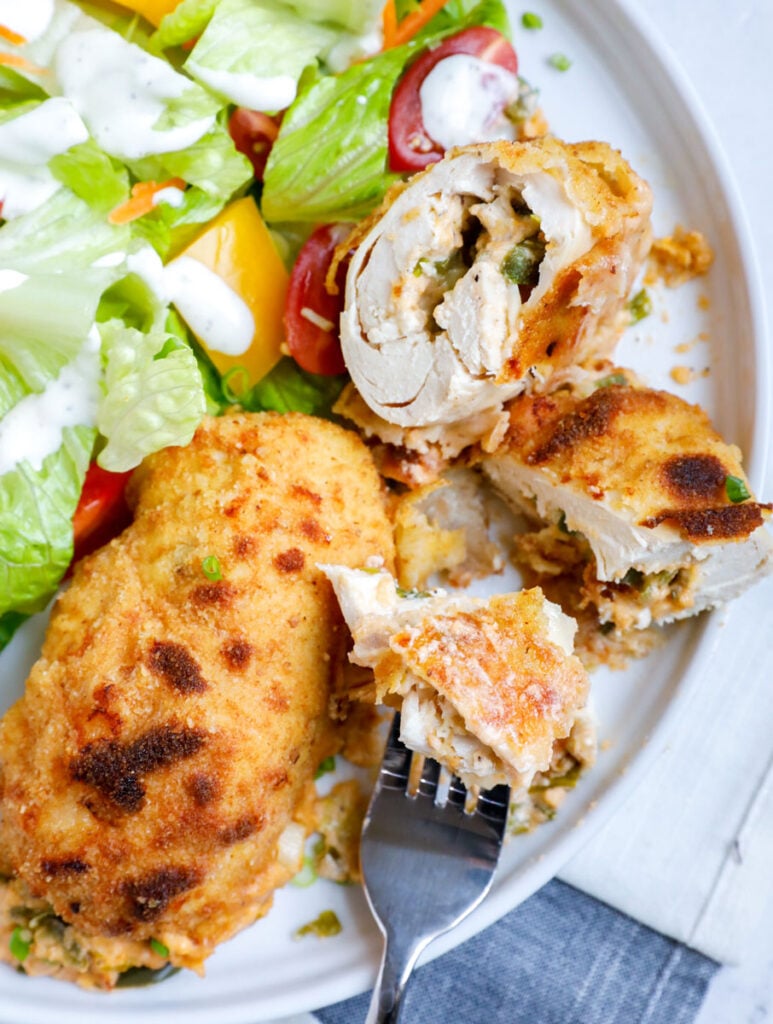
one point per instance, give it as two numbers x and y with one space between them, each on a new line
487 273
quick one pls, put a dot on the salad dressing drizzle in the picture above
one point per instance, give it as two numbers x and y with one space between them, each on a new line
33 429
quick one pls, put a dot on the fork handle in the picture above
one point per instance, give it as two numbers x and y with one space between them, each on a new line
397 963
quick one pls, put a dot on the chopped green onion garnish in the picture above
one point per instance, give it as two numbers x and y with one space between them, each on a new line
529 20
612 378
640 306
325 926
562 523
559 61
521 265
306 876
328 764
418 270
159 947
21 939
736 489
211 567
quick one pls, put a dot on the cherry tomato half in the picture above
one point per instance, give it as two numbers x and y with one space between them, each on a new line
410 148
102 511
311 313
253 134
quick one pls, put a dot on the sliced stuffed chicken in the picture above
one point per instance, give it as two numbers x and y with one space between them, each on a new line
490 689
636 495
489 272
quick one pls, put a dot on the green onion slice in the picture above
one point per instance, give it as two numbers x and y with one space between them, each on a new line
306 876
211 568
559 61
159 947
21 940
327 764
736 489
325 926
640 306
530 20
610 379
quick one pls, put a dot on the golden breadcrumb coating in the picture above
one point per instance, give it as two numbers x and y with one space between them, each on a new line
172 726
516 690
638 449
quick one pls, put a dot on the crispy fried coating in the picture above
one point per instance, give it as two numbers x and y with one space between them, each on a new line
170 730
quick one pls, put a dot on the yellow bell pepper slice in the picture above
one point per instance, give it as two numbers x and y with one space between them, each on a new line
152 10
237 247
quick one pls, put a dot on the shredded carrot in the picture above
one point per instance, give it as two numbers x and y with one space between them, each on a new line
10 36
14 60
414 21
141 201
389 23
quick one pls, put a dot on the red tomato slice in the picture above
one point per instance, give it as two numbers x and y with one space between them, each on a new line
410 148
253 134
102 511
310 308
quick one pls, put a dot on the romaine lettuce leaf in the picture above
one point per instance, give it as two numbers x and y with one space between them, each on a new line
329 161
92 175
170 228
227 60
45 321
212 164
288 388
356 16
36 510
186 22
153 397
65 232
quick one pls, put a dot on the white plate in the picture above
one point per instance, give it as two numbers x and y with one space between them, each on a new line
624 88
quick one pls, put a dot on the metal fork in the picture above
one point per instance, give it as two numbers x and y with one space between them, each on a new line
427 862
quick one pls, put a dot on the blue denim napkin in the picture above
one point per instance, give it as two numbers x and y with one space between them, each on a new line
560 958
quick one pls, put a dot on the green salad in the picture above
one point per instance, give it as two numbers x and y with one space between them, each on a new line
162 164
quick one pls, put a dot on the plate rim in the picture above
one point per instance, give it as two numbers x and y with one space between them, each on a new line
706 632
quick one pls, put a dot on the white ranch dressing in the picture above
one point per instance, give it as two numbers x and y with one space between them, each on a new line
463 98
27 18
33 429
10 279
169 196
216 314
27 143
121 92
256 92
219 317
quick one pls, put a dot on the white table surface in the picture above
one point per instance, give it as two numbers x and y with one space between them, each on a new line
727 51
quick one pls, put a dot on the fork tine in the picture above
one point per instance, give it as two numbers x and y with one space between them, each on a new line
396 764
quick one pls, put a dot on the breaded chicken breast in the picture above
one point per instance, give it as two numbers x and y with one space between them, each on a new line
637 496
486 275
488 688
170 731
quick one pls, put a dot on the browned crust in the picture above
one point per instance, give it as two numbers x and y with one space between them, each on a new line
172 724
646 450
